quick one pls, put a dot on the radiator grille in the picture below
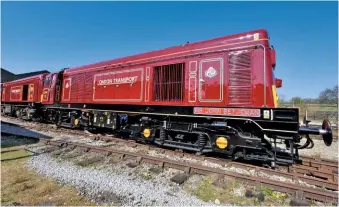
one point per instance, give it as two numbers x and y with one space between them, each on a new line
74 89
240 90
81 87
169 82
89 86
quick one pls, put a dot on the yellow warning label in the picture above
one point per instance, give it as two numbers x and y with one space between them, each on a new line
147 133
275 96
221 142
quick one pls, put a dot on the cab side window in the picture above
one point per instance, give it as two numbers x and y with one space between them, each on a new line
47 81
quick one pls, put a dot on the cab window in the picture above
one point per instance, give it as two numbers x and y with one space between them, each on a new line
47 81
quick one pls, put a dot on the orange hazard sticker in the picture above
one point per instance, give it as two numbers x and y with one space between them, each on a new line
227 111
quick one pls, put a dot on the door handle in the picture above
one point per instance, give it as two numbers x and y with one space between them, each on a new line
201 80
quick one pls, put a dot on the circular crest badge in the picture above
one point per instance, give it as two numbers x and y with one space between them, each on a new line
211 72
67 85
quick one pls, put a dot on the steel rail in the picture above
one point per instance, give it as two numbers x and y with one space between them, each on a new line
320 163
305 170
320 178
307 192
315 177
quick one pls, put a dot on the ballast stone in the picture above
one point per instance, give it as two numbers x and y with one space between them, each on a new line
179 178
132 164
93 182
249 193
155 170
260 196
299 202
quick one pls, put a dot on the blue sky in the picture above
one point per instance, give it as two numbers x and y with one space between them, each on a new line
55 35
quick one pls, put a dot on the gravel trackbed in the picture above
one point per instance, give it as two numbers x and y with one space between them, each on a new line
129 190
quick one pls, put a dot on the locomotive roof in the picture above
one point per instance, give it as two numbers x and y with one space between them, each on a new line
27 78
225 40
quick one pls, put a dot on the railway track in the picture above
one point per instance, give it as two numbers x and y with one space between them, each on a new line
316 172
318 167
320 163
307 192
312 176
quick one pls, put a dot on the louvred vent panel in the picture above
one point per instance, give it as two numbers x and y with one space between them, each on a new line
240 77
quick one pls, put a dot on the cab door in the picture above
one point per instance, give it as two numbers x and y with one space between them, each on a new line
30 92
211 79
48 90
3 92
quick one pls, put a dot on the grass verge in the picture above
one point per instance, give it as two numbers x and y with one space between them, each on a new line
22 186
228 191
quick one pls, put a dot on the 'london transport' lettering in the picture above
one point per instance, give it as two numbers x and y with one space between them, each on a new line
16 90
118 80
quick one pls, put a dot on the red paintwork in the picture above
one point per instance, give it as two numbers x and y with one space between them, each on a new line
278 83
13 91
48 90
98 83
129 91
226 71
273 59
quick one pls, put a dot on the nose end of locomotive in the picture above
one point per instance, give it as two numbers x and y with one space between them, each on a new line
325 131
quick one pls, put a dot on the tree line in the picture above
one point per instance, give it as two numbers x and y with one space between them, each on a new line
327 96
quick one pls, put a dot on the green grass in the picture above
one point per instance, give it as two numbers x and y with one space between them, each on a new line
22 186
224 189
206 191
15 155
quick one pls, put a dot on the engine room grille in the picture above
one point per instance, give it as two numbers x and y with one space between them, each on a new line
240 91
169 82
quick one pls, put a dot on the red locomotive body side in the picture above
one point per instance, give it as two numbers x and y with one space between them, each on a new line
227 71
191 97
23 90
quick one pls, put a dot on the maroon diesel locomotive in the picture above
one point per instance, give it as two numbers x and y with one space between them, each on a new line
217 96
